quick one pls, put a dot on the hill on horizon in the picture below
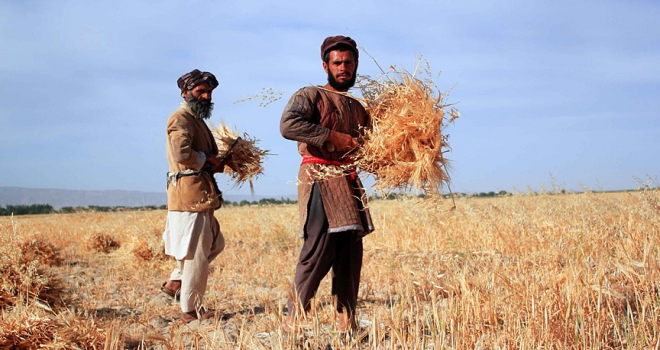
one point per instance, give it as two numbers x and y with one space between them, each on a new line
59 198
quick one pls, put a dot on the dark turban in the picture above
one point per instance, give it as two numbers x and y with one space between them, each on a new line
335 42
189 80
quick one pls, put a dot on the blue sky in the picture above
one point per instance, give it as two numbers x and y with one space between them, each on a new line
561 92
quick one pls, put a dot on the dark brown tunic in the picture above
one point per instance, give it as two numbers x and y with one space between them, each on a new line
308 118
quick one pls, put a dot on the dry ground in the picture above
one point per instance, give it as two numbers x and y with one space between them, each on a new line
523 271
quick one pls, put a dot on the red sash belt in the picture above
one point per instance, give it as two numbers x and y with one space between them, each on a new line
317 160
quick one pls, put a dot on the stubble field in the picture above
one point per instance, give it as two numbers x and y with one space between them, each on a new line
522 271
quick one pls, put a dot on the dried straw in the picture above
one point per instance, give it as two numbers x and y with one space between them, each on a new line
246 161
266 97
25 275
65 331
405 148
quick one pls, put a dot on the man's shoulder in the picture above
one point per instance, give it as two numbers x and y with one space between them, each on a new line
180 116
309 90
180 112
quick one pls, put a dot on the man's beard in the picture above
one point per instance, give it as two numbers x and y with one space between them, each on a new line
200 110
341 86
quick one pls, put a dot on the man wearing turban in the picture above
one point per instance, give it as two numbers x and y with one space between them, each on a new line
192 233
327 123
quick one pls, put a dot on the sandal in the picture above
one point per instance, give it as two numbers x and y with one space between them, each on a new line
203 314
170 292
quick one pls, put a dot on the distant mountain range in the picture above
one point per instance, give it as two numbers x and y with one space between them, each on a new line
59 198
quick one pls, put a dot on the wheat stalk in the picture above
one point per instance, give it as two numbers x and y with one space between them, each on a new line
246 159
405 148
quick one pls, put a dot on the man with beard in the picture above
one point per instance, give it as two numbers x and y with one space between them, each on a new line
192 233
327 124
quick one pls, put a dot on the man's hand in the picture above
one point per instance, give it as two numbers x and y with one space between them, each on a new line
214 163
341 142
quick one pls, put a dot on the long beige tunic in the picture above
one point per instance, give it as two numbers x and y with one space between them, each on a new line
188 140
308 118
192 234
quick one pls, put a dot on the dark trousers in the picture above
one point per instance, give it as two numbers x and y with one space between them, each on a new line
322 251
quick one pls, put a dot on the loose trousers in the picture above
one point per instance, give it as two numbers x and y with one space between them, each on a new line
322 251
193 270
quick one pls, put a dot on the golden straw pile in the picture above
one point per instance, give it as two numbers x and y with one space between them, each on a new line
63 331
25 275
246 159
405 147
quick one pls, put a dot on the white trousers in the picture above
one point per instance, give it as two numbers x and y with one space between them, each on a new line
206 242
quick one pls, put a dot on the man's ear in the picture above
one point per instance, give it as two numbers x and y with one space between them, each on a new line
325 67
183 93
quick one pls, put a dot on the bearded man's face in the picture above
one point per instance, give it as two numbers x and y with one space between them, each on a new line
199 100
341 68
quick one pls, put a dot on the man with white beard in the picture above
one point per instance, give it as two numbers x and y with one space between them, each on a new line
192 233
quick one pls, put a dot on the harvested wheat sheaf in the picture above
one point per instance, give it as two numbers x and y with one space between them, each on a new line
405 148
27 279
246 159
45 252
102 243
149 249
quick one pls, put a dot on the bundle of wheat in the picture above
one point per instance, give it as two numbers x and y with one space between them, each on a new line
245 158
36 249
405 148
26 279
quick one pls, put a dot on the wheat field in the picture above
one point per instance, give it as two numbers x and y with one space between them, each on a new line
526 271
